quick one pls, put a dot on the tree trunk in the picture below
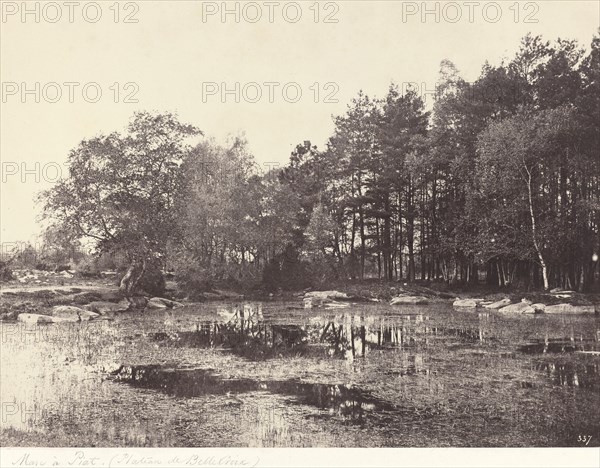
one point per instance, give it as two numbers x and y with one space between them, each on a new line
410 232
534 233
132 277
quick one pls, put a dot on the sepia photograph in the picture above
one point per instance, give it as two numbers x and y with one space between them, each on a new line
300 233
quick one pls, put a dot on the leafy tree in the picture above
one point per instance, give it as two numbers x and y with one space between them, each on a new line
120 190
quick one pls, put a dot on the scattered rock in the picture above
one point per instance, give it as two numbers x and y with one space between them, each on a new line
34 318
314 299
138 302
570 309
498 304
162 303
109 296
73 313
409 300
104 307
539 308
465 303
561 291
85 298
518 308
337 305
327 295
313 302
38 318
228 294
211 296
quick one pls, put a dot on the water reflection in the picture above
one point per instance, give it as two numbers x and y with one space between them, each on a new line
349 403
572 374
560 345
246 333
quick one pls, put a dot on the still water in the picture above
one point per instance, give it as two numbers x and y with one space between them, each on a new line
274 375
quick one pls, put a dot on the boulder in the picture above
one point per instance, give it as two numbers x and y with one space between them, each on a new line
409 300
312 302
138 302
228 294
104 307
570 309
73 313
38 318
539 308
498 304
465 303
109 296
337 305
561 291
518 308
162 303
327 295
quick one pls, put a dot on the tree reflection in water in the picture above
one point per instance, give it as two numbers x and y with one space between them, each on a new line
348 402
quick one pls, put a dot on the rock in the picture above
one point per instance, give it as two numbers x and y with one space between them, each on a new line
34 318
561 291
162 303
228 294
327 295
156 303
498 304
466 303
138 302
337 305
538 308
73 313
104 307
526 301
211 296
518 308
38 318
84 298
312 302
570 309
409 300
109 296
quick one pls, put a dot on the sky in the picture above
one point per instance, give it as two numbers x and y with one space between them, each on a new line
275 71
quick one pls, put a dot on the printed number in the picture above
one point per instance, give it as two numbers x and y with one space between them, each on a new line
584 439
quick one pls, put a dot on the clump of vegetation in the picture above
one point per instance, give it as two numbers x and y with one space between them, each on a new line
6 273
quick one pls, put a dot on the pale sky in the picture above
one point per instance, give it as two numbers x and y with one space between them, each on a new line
172 55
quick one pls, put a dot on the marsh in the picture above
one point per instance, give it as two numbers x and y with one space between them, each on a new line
269 374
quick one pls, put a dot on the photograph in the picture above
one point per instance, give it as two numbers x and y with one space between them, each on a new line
350 233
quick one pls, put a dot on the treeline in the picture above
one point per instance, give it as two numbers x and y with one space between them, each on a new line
499 182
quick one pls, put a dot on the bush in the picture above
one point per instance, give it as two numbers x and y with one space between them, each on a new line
87 268
152 281
6 273
287 272
193 280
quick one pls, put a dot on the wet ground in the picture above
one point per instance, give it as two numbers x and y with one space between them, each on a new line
274 375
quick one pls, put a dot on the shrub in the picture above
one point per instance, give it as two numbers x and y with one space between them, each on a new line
87 268
6 273
152 281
